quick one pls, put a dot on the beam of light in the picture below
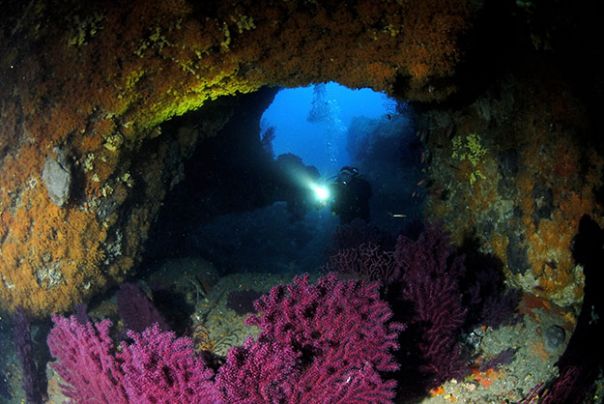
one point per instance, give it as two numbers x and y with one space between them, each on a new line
318 188
321 192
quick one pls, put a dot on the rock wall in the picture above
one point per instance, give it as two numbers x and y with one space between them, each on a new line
517 168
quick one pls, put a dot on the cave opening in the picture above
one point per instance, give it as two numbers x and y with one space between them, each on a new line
314 122
242 204
239 220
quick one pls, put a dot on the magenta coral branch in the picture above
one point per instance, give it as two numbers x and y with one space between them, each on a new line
86 362
368 261
259 372
155 368
331 379
430 273
329 315
340 330
160 368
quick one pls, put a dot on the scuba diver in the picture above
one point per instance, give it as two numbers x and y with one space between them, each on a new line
347 192
351 194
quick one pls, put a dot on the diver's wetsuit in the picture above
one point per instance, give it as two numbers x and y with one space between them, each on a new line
351 199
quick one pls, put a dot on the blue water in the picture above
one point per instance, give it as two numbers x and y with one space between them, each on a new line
321 143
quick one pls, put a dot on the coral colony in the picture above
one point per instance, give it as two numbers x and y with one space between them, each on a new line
329 341
332 341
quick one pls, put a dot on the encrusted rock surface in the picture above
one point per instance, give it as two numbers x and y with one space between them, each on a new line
517 169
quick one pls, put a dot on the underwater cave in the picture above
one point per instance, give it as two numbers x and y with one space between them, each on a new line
301 201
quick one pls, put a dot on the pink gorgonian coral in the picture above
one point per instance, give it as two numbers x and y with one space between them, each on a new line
340 330
321 343
160 368
156 367
430 275
86 361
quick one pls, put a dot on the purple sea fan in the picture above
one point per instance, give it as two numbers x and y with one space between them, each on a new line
430 274
155 368
160 368
85 361
258 372
321 317
367 261
330 379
